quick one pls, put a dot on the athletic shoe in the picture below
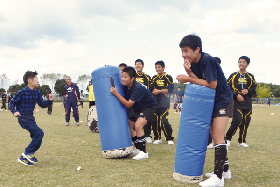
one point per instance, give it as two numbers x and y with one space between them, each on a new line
149 140
210 146
213 181
30 157
242 145
1 110
228 143
67 124
157 142
135 151
175 112
49 114
226 175
170 142
77 123
6 110
141 155
24 161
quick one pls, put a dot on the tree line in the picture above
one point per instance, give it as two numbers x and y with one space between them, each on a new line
48 81
56 82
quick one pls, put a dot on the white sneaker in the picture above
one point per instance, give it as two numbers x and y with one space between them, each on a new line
149 140
135 151
6 110
1 110
157 142
141 155
228 143
213 181
242 145
226 175
210 146
170 142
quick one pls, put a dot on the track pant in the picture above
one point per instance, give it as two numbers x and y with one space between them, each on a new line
241 119
50 109
36 133
74 106
4 104
160 122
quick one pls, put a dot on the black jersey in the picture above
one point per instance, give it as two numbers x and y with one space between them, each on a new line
162 83
238 82
141 95
143 79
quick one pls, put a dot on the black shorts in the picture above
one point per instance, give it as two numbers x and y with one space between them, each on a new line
146 113
226 111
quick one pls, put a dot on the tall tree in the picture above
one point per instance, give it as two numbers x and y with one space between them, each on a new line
83 80
44 78
59 85
3 80
15 88
44 89
53 78
263 91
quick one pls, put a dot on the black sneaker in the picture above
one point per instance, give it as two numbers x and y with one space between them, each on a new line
30 157
25 161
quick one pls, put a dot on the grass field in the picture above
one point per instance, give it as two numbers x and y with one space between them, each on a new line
65 148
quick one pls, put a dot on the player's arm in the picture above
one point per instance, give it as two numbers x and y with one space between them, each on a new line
45 104
152 84
184 78
252 89
187 66
13 103
78 92
127 103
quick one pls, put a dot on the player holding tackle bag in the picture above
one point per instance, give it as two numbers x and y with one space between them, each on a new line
204 70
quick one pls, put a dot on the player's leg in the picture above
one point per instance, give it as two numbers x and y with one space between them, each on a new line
147 132
236 122
75 112
156 126
36 134
165 125
247 113
219 129
68 111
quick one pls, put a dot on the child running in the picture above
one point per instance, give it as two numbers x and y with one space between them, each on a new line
22 107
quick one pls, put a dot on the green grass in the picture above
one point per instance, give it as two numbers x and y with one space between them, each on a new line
65 148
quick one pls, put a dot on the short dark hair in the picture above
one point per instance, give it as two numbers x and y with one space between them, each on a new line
245 58
191 41
29 75
139 60
130 71
122 64
50 91
218 60
160 62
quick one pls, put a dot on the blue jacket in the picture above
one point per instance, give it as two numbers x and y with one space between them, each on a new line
71 92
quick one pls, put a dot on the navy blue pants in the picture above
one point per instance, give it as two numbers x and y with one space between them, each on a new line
74 106
36 133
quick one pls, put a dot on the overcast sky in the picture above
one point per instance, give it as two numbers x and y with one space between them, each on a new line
75 37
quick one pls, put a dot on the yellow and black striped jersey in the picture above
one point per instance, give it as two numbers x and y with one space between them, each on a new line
162 83
238 82
144 79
